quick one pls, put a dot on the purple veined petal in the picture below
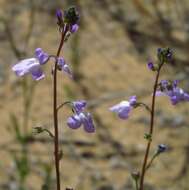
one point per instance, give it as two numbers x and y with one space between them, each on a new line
74 122
79 106
38 51
37 73
87 122
132 100
43 57
74 28
61 62
67 70
25 66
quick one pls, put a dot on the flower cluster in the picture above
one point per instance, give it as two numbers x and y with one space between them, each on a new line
70 19
80 117
164 55
171 89
33 65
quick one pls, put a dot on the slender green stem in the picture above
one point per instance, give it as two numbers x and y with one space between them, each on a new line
136 184
150 162
150 131
145 106
55 114
63 104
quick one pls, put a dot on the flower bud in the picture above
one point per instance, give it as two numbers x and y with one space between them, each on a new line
71 16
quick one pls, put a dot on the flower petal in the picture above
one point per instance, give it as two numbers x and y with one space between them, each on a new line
87 122
41 56
117 107
74 28
132 100
74 122
67 70
25 66
37 74
80 105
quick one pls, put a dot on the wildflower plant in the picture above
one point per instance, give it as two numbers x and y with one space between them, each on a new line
67 22
162 88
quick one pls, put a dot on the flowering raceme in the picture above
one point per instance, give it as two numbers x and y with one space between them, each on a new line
81 118
124 107
171 89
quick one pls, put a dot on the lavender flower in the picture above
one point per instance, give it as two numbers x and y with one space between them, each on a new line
29 66
64 67
81 118
32 65
151 66
171 90
124 107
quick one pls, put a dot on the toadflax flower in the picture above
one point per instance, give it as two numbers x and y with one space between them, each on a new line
171 89
124 107
29 66
32 65
81 118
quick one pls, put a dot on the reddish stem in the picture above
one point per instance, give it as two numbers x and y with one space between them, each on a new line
150 131
55 114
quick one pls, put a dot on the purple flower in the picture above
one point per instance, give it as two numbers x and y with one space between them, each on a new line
79 106
41 56
124 107
64 67
150 66
161 148
29 66
81 118
171 90
74 28
59 14
75 121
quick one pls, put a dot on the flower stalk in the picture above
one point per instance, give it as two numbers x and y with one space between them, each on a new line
151 129
55 113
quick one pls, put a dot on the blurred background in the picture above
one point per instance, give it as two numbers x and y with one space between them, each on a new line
108 56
